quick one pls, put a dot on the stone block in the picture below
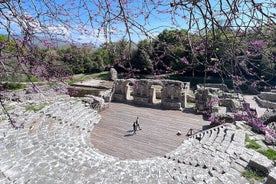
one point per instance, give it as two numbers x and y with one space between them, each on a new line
227 179
261 163
245 156
113 74
213 180
271 179
237 167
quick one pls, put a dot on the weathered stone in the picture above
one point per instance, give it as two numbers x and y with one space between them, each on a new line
226 180
261 163
59 151
269 139
246 156
268 116
168 94
267 99
113 74
224 118
237 167
271 179
271 96
213 180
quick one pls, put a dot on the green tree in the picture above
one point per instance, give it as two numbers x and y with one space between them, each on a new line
142 57
173 48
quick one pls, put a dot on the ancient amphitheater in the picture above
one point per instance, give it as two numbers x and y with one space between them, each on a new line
53 145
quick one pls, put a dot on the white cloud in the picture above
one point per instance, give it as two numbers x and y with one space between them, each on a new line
57 29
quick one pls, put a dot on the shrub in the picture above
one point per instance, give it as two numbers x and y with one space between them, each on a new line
253 175
13 86
33 79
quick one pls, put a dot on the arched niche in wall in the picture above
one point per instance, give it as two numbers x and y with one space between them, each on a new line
129 91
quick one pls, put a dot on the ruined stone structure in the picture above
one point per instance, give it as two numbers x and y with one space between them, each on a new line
168 94
54 146
217 100
267 99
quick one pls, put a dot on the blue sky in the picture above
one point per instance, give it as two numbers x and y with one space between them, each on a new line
85 24
75 23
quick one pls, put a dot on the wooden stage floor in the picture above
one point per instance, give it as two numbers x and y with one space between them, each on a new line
113 134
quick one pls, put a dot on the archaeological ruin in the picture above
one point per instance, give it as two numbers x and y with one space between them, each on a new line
49 139
168 94
267 99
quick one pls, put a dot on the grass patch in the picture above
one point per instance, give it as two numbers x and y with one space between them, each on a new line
252 175
33 79
34 108
102 75
238 128
252 144
13 86
269 153
82 77
247 139
70 82
191 104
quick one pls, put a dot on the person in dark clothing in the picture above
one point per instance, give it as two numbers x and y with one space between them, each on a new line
137 122
134 128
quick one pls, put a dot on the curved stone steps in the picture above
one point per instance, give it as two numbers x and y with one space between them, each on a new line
61 155
190 174
53 141
211 150
220 137
67 139
55 147
77 115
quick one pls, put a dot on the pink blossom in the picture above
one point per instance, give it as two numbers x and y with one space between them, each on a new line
258 43
184 60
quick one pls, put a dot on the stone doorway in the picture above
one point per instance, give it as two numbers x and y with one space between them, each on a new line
156 91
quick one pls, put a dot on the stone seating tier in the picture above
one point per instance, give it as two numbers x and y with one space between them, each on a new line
203 143
55 147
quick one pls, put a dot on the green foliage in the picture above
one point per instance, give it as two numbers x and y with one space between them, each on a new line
75 78
142 57
269 153
247 139
253 176
82 77
170 47
33 79
199 80
70 82
13 86
10 44
102 75
34 108
219 53
252 144
83 59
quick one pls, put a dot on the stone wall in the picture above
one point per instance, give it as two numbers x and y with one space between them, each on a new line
218 104
271 96
168 94
267 99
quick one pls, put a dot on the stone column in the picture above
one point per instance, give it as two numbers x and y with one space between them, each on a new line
152 95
